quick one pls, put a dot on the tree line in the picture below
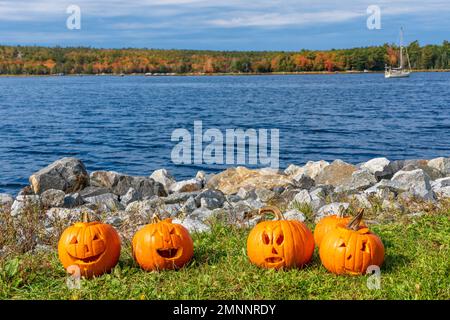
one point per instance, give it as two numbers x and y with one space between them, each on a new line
37 60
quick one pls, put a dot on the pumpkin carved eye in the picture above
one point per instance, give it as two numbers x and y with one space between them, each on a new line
265 238
74 240
280 239
342 244
96 237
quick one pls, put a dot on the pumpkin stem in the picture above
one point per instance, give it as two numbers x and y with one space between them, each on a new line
156 218
85 217
272 209
354 223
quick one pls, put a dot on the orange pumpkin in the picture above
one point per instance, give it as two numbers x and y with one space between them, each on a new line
94 247
328 223
279 243
351 249
162 245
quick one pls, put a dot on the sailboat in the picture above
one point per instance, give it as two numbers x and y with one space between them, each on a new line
400 71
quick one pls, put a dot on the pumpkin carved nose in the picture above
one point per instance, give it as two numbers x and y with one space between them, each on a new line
274 251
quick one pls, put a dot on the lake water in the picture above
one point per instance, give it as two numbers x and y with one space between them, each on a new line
125 123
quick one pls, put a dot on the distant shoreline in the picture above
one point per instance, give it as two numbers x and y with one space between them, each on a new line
213 74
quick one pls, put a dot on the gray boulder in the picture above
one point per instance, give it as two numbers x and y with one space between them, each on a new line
73 200
361 180
105 202
189 206
335 174
202 214
264 194
131 196
244 193
180 197
53 198
416 181
66 174
302 181
93 191
210 199
119 183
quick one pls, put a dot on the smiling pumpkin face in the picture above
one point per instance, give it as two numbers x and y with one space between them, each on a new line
280 244
162 245
92 246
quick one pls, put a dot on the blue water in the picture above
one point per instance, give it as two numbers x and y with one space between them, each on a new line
125 123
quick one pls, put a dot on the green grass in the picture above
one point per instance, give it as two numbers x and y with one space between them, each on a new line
416 267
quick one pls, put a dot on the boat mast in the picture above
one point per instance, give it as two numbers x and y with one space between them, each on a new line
401 48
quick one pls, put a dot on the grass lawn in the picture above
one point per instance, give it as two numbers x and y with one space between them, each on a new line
417 266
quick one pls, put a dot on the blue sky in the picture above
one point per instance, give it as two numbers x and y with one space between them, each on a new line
222 25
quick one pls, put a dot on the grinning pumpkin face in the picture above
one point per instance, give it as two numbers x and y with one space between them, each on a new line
346 250
92 246
280 244
162 245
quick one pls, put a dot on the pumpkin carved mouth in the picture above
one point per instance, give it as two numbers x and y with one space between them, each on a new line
274 260
88 260
168 253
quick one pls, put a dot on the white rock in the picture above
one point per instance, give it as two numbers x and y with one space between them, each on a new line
294 214
330 209
6 200
186 186
416 181
442 164
440 183
443 192
310 169
379 167
164 177
24 201
363 200
192 225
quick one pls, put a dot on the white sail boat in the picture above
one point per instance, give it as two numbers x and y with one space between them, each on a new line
400 71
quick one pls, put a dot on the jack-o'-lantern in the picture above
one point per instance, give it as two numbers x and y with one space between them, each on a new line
162 245
279 243
351 249
93 247
329 223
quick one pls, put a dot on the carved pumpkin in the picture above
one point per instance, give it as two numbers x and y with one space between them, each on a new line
92 246
162 245
279 243
351 249
328 223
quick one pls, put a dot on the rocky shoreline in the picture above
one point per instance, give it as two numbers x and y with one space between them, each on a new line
60 192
